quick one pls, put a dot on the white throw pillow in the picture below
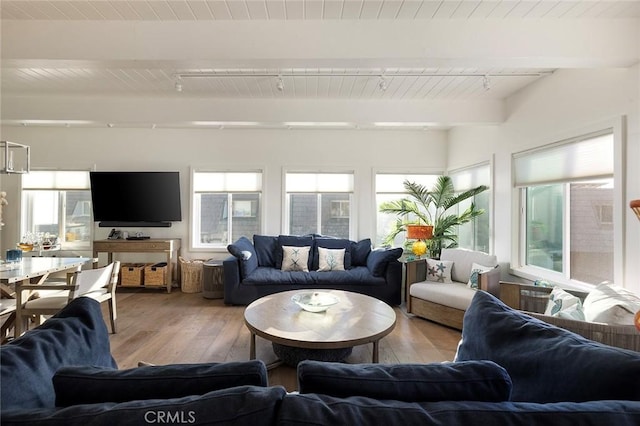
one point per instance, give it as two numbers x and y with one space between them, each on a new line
611 304
439 270
564 305
473 276
330 259
295 258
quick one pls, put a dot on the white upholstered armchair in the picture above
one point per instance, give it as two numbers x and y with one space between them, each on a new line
444 298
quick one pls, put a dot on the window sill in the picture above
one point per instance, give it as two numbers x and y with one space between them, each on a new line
553 278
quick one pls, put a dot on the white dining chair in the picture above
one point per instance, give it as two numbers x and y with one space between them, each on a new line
98 284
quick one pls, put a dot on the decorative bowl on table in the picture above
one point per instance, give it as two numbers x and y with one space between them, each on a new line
315 301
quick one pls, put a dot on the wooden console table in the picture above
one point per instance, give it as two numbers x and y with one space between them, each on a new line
171 247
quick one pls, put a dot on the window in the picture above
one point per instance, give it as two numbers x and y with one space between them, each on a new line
474 235
56 206
226 206
319 203
567 191
390 187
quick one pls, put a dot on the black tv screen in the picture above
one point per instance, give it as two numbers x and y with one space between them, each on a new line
135 198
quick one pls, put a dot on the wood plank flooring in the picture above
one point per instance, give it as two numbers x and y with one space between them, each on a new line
162 328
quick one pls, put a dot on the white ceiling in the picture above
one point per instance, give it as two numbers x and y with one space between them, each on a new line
428 52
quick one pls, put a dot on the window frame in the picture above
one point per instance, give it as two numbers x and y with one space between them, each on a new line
518 266
489 192
286 213
228 214
55 185
405 174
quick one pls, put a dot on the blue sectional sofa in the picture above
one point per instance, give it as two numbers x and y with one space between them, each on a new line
510 370
255 268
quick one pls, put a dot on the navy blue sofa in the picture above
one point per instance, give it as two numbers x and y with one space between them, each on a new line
254 269
510 369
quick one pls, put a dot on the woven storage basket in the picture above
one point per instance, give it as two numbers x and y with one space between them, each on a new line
191 275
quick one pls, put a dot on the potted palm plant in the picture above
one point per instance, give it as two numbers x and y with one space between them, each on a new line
425 206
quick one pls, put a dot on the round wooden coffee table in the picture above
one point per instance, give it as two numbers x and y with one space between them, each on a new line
356 320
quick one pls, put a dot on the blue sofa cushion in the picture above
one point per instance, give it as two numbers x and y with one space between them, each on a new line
318 409
244 251
77 335
332 243
295 241
354 276
90 385
360 251
546 363
378 259
460 381
243 405
266 247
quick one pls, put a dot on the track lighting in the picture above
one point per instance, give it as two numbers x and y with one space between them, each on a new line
279 83
382 85
486 83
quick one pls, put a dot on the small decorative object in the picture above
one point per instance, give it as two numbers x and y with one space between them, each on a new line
315 301
636 320
419 233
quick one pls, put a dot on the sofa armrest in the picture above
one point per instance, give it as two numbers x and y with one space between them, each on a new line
489 281
231 267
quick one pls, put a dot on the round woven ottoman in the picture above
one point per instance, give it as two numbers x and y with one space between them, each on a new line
292 356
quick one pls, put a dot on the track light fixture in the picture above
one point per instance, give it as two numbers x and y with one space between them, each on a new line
382 84
279 83
486 83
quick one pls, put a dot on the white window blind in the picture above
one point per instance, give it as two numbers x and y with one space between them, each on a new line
471 177
393 183
227 181
59 180
589 157
319 182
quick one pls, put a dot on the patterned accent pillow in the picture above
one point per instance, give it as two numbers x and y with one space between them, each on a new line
439 270
564 305
330 259
475 270
295 258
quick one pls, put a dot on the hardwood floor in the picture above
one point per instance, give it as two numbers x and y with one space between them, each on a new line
162 328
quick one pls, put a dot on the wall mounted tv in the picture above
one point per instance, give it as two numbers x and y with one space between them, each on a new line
135 199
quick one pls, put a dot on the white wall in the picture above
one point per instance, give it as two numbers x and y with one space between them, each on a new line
568 103
271 150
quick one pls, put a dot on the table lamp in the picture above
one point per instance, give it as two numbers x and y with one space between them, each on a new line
419 233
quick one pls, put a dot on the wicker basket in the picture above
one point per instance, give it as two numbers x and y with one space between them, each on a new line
191 275
155 274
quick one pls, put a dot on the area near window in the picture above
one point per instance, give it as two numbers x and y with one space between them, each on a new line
319 203
390 187
567 196
225 207
476 234
56 208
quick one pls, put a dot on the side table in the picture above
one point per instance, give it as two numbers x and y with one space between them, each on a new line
414 270
213 280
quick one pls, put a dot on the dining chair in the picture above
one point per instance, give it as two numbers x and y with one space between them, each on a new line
98 284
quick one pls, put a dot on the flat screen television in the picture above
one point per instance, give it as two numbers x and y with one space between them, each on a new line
135 199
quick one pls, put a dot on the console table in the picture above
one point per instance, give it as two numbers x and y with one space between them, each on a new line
170 247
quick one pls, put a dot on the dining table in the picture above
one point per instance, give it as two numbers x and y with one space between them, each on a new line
30 270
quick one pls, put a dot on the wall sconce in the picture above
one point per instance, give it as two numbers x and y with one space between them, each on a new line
420 233
15 158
